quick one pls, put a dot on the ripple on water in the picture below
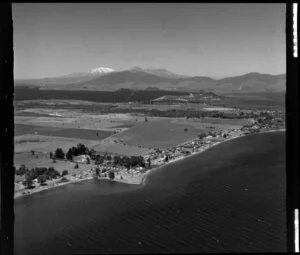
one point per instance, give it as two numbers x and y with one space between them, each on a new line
181 209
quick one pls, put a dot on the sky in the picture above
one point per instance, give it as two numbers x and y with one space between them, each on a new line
215 40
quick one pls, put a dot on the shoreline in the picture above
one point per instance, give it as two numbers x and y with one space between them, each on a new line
201 151
142 178
48 187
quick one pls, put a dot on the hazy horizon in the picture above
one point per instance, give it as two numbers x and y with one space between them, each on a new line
215 40
216 78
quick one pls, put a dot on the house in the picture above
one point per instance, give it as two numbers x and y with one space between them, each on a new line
255 126
82 159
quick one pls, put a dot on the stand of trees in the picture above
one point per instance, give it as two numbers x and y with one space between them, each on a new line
129 162
81 149
59 154
41 173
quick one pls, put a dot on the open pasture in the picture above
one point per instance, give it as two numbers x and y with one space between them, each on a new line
78 120
26 143
213 124
168 132
227 122
21 129
43 160
108 145
160 133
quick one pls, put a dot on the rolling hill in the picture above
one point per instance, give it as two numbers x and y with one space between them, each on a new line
143 79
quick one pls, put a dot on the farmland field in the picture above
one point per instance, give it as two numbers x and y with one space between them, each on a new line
39 143
109 145
161 133
21 129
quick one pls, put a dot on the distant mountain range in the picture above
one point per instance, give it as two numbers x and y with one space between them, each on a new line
107 79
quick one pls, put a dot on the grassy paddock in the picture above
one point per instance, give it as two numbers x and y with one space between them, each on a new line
26 143
167 132
43 160
161 133
21 129
109 146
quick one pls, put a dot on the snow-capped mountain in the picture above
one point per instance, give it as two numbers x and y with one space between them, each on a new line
72 78
101 70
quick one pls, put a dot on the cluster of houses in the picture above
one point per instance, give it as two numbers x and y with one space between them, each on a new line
160 156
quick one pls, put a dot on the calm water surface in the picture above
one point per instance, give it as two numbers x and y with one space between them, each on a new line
228 199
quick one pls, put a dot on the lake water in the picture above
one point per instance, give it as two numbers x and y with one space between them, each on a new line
230 198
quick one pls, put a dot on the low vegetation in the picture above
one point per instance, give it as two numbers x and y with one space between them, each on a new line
111 175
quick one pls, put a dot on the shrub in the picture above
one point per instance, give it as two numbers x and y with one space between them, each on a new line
117 160
202 135
51 173
65 172
40 171
42 179
92 153
185 129
99 160
22 170
29 177
167 158
111 175
64 179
